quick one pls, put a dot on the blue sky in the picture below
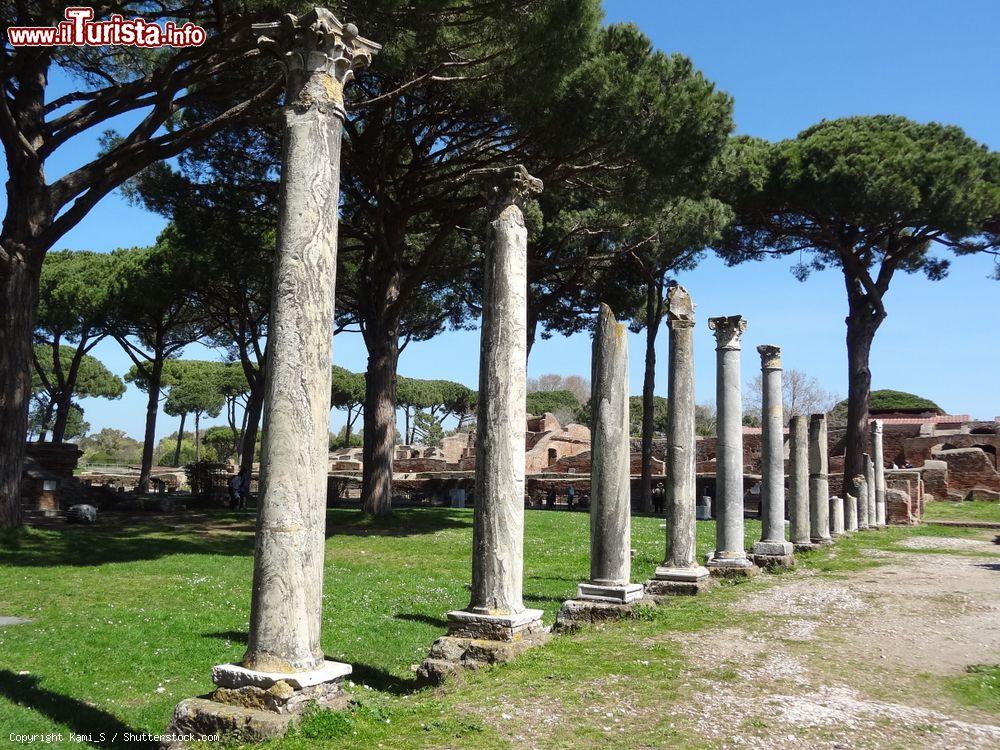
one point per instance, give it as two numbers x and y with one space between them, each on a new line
788 64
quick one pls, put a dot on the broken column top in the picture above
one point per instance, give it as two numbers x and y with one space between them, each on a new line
680 307
316 42
728 330
506 186
770 356
876 426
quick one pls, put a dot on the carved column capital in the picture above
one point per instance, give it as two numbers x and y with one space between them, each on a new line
876 427
319 54
770 356
728 331
508 186
680 308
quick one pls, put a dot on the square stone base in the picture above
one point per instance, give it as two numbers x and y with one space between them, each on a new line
450 655
237 676
773 562
772 549
804 546
577 612
250 712
819 541
513 627
731 567
668 581
610 593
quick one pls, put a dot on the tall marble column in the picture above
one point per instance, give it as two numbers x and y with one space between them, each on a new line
320 55
729 556
772 549
819 483
798 482
497 610
861 493
680 573
610 486
878 458
870 481
284 669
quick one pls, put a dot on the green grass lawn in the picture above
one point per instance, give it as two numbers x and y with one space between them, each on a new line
129 620
976 510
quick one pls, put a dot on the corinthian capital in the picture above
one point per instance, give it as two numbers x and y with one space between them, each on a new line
320 55
876 427
680 307
728 331
770 356
509 186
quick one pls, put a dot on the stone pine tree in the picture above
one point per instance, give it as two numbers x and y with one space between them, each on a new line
872 197
153 318
153 86
61 375
72 306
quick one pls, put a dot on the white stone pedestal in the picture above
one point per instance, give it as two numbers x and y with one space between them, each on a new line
615 594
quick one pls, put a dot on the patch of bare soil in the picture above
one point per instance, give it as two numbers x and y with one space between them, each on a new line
857 661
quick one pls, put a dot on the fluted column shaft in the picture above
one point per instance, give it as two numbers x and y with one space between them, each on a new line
798 470
819 483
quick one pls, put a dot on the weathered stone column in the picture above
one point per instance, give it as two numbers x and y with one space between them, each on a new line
836 516
819 486
610 590
772 550
680 573
320 56
861 493
850 511
798 482
610 493
729 556
496 614
878 458
870 480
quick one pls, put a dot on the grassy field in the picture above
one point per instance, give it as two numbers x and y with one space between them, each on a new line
977 510
128 620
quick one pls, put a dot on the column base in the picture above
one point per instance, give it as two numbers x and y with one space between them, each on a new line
820 541
252 706
773 562
804 546
772 549
576 612
731 567
475 640
670 581
611 593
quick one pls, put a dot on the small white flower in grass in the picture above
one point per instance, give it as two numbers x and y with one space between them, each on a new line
161 689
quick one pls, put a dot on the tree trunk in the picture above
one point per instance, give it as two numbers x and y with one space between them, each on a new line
152 407
197 437
255 402
19 280
347 427
645 501
863 320
66 397
180 438
406 426
43 428
380 420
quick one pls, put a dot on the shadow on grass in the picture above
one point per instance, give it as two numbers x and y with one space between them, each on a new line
402 522
77 715
379 679
437 622
235 636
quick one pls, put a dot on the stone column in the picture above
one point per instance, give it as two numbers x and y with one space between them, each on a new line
870 481
320 56
819 487
836 516
878 458
680 572
610 490
729 556
283 655
497 610
850 512
798 482
860 486
772 549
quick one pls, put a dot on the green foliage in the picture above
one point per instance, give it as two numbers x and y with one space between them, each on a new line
347 390
540 402
110 446
426 429
94 380
341 439
221 443
886 400
979 687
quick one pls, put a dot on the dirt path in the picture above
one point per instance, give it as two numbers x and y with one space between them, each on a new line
859 660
